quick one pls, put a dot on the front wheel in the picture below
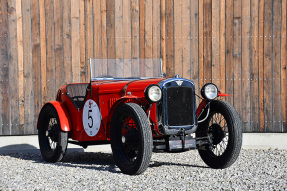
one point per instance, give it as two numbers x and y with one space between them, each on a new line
131 139
224 131
52 140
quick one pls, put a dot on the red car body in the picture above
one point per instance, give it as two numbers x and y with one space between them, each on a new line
108 95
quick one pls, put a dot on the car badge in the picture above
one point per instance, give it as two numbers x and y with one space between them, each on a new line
179 82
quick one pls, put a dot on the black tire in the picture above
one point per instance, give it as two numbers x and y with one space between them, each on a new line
52 140
223 126
131 139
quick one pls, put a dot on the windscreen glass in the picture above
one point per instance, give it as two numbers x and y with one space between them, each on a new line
125 68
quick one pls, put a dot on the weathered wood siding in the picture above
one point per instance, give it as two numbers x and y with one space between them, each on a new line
240 45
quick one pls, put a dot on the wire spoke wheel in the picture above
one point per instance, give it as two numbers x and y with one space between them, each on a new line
51 132
52 140
224 132
218 132
131 139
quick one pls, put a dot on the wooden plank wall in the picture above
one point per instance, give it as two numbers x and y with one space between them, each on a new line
240 45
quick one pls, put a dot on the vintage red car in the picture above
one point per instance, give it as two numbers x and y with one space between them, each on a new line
138 115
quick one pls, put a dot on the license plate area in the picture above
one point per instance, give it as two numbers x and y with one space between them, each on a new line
180 144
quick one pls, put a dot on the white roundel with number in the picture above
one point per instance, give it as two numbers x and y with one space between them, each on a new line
91 118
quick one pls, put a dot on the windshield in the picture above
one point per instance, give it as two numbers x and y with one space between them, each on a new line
125 68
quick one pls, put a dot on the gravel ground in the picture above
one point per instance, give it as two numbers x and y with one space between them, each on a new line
254 170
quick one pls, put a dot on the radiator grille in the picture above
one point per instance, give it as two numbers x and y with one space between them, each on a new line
180 107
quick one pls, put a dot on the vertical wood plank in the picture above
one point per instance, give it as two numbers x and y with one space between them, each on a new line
28 69
89 41
36 58
59 62
127 27
97 29
97 33
200 43
111 36
119 34
135 33
215 43
207 51
20 64
246 66
177 37
104 33
222 46
194 45
261 65
43 52
142 35
254 78
237 55
4 73
67 42
76 65
156 36
276 81
284 65
169 38
268 54
50 35
148 38
83 60
163 35
229 50
1 121
186 34
13 71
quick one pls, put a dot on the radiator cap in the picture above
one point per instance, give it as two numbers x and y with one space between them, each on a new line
176 76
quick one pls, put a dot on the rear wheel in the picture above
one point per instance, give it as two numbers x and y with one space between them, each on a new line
224 131
131 139
52 140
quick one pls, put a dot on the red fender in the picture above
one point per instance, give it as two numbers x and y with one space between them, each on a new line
200 107
64 117
203 103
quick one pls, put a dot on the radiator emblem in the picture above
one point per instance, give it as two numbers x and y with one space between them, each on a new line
179 82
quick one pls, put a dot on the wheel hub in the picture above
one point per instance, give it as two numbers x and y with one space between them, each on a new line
52 133
123 139
217 133
130 143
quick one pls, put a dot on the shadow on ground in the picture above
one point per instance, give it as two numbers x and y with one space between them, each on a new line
158 164
89 160
18 148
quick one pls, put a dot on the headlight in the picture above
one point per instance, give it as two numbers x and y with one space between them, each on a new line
209 92
153 93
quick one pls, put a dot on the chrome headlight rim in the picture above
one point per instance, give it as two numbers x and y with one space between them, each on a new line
149 94
204 92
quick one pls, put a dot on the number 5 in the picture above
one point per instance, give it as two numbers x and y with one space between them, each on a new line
90 117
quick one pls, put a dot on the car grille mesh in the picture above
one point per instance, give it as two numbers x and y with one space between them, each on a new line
180 106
